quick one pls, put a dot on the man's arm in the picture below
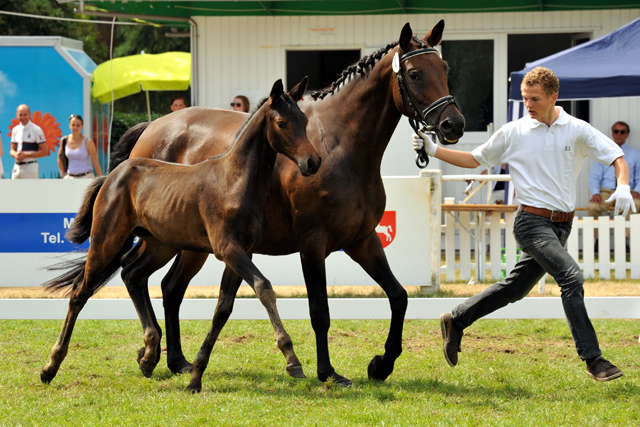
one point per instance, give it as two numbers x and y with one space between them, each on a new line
622 171
463 159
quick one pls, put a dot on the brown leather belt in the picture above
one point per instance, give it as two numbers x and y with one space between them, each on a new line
553 216
78 175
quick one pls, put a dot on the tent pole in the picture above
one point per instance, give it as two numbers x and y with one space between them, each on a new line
148 106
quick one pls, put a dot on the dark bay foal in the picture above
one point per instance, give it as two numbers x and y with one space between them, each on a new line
216 206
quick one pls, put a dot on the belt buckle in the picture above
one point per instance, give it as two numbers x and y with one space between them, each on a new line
551 216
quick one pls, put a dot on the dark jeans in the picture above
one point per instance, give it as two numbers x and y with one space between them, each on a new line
542 243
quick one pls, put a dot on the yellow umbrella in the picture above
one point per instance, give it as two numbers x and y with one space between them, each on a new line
131 74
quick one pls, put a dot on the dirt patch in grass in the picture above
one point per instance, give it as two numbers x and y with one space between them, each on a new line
592 289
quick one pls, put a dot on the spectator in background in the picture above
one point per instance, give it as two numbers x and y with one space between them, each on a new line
77 153
241 103
178 103
602 178
27 145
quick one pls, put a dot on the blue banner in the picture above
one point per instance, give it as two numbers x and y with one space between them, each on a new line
36 232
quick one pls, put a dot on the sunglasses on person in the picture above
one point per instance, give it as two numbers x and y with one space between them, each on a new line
236 104
620 131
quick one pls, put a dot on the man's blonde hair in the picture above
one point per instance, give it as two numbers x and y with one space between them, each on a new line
544 77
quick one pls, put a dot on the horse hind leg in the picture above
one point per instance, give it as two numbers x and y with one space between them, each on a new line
138 264
174 285
98 269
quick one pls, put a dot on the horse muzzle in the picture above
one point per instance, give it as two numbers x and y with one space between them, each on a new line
310 167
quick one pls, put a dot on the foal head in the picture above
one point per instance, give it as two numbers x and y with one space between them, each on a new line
286 127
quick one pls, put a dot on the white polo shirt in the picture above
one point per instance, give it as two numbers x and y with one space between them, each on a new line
544 162
27 137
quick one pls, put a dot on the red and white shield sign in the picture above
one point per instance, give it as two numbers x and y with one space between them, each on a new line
387 228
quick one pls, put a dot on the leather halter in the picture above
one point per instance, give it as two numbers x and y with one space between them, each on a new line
422 160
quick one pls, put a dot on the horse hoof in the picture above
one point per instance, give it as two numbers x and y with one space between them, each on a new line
339 380
46 378
296 371
147 369
193 389
182 367
377 370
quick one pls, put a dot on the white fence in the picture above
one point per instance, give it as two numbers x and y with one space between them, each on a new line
481 236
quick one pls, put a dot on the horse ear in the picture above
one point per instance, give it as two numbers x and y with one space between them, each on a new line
434 36
298 91
405 36
276 91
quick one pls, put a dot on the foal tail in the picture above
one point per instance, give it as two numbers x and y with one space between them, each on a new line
80 230
68 281
123 148
78 233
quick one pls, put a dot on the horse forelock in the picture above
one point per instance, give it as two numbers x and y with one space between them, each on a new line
363 66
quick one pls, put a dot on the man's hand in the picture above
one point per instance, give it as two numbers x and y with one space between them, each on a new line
421 140
623 199
597 198
635 195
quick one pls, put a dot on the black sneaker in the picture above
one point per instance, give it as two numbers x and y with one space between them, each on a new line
602 370
451 337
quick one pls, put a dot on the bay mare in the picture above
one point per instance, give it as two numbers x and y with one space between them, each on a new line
216 206
350 124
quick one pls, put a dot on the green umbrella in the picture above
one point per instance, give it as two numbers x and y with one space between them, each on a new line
131 74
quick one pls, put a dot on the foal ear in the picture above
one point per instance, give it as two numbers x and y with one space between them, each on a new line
405 37
276 91
434 36
298 91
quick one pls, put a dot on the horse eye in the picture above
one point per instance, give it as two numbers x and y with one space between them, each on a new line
413 75
281 124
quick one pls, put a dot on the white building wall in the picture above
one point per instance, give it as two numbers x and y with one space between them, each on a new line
245 55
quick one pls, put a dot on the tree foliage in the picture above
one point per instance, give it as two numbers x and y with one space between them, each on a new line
96 39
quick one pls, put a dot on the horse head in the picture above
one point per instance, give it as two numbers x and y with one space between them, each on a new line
287 125
422 93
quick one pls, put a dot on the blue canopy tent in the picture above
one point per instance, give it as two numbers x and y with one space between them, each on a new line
605 67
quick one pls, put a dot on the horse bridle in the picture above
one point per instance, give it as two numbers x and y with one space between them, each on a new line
422 160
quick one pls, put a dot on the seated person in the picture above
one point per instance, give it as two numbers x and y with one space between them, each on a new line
602 179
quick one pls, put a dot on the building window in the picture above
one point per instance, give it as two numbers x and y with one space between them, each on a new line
471 80
322 66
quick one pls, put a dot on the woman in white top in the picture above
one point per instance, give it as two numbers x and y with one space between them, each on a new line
77 153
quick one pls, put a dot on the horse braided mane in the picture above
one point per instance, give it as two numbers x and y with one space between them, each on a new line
362 66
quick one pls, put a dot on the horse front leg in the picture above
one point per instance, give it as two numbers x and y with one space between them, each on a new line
174 285
315 277
239 262
267 297
371 257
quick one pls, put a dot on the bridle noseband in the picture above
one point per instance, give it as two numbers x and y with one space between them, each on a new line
422 160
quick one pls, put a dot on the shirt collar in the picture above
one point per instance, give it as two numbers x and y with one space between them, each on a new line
563 119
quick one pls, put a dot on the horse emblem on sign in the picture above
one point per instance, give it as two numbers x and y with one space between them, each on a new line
387 228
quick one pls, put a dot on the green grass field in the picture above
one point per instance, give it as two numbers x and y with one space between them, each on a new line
519 373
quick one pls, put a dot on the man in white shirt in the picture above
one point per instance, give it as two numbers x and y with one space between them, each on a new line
27 145
545 152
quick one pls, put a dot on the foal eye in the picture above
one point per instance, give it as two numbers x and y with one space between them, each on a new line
281 124
413 75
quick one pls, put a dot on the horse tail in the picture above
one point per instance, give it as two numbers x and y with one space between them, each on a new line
68 281
125 145
80 230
